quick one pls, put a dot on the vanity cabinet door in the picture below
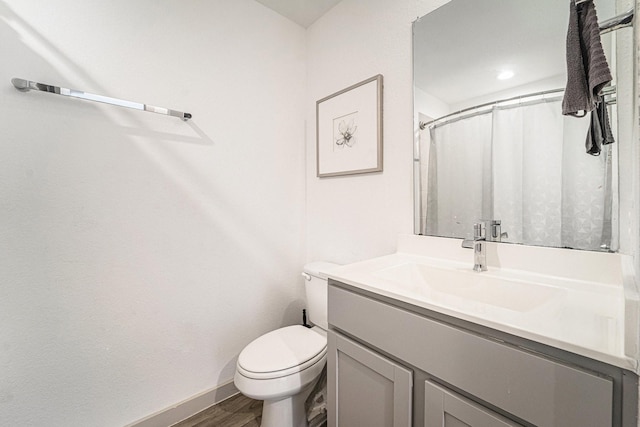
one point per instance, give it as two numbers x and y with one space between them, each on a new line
444 408
365 388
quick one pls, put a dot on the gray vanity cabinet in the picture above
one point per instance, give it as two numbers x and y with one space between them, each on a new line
444 408
366 389
463 374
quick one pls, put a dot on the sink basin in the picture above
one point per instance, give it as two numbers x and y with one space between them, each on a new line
461 283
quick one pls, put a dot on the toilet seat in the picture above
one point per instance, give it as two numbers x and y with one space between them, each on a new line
285 351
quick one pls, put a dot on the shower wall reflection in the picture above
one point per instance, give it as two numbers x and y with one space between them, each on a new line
518 164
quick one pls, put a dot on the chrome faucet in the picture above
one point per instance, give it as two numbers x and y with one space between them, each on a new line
480 239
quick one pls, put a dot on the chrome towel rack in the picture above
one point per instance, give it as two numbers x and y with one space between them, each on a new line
619 21
27 85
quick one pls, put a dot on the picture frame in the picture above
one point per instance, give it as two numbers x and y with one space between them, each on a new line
349 130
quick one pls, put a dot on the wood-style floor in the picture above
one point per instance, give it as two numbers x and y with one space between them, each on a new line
237 411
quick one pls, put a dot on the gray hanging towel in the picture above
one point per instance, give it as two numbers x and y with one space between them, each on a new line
600 129
587 68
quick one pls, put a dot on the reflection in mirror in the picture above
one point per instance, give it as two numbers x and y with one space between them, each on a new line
492 142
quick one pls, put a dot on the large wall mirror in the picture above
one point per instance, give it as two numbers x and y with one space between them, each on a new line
491 140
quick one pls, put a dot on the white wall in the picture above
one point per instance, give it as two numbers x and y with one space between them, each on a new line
140 253
356 217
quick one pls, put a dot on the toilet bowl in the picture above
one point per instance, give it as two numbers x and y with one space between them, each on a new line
282 366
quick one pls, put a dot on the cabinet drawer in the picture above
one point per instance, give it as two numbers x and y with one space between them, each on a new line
444 408
531 387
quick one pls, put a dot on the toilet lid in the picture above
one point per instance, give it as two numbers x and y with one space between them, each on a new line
283 349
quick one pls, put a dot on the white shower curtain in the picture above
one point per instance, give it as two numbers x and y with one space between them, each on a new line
526 166
527 177
459 180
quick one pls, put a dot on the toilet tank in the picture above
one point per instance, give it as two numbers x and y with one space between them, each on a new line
316 288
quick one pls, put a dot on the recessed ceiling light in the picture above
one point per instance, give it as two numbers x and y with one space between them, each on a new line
505 74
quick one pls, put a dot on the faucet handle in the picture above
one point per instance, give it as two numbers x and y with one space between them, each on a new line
495 230
479 230
467 243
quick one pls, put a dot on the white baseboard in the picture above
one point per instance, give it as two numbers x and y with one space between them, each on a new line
186 408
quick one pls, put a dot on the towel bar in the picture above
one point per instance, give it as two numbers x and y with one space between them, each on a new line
620 21
27 85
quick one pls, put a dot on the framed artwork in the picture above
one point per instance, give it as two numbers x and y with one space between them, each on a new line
349 130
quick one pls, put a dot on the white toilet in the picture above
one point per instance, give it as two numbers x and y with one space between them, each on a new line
282 366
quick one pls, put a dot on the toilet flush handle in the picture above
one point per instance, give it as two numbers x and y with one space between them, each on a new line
306 276
304 319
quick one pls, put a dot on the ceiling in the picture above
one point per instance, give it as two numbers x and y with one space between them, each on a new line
303 12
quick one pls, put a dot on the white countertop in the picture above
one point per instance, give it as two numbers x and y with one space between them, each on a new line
582 302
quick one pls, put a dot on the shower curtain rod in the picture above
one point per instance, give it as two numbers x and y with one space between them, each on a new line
609 90
27 85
